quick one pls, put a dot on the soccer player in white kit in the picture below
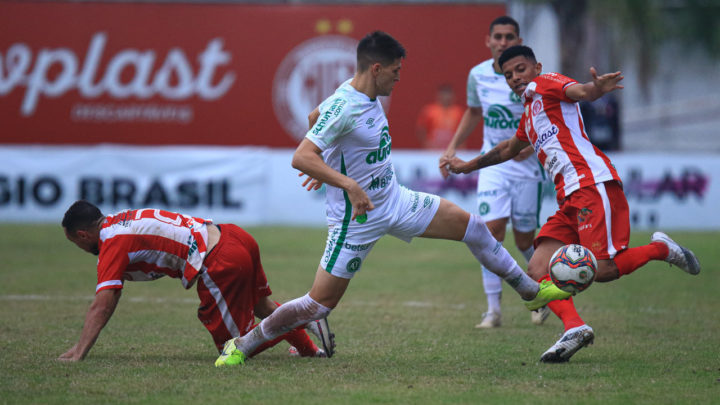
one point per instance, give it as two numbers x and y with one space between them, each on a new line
511 190
349 149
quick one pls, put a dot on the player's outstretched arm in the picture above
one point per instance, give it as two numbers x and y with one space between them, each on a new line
97 317
308 160
469 121
504 151
599 86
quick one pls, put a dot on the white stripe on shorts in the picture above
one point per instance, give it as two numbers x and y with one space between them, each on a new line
221 303
608 218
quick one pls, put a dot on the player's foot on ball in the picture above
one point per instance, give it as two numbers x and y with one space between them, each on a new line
539 315
230 355
490 320
678 255
571 341
321 329
548 292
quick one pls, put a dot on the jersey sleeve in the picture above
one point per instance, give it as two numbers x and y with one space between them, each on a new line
112 262
554 85
331 123
473 100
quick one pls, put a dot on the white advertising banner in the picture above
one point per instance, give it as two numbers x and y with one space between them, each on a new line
257 186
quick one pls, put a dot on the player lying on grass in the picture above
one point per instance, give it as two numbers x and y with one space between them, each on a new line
593 210
147 244
349 149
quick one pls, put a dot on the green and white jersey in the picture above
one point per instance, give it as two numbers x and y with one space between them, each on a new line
352 131
502 110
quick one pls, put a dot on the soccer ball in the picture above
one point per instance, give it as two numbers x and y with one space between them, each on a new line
572 268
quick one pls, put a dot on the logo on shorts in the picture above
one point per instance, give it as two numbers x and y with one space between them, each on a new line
484 208
428 202
353 265
583 214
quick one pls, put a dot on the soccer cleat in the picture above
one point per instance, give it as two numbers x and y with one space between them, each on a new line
678 255
294 352
490 320
571 341
547 292
230 355
539 315
321 329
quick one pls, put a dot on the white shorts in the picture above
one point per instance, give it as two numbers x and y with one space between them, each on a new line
504 197
348 242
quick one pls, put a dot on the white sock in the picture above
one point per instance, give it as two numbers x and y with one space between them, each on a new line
527 254
492 284
496 258
285 318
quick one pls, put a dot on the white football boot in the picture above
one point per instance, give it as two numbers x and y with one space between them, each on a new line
539 315
678 255
321 330
490 320
571 341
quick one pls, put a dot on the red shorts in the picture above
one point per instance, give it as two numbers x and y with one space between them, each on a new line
596 217
231 285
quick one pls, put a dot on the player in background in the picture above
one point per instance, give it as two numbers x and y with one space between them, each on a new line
593 210
349 149
147 244
437 121
511 190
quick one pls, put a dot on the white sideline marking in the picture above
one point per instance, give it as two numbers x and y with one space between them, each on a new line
38 297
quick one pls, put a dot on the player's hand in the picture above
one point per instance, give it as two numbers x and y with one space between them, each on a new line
360 202
70 355
457 165
310 183
607 82
443 164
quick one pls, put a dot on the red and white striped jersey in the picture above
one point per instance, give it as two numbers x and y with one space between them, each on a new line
552 123
146 244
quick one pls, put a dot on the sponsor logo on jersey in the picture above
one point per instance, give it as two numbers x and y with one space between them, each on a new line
381 182
383 150
514 97
500 117
334 110
545 136
537 107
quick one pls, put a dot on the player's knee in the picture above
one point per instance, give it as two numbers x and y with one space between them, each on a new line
607 271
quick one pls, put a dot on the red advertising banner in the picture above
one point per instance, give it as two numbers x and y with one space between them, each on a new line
209 74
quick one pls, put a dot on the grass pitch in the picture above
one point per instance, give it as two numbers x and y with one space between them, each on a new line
404 333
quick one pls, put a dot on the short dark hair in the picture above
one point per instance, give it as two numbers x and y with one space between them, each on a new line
378 46
81 215
505 20
517 50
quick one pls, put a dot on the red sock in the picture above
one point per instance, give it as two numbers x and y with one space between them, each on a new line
565 310
631 259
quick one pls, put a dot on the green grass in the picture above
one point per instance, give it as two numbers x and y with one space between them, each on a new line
404 333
